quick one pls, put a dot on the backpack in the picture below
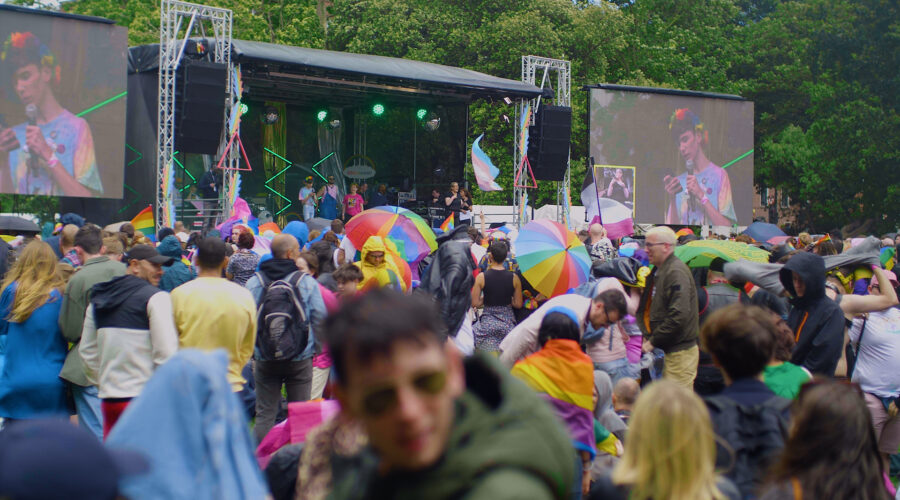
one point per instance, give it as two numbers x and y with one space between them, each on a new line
282 325
755 434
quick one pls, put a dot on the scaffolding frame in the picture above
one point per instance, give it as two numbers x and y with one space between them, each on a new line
172 42
532 68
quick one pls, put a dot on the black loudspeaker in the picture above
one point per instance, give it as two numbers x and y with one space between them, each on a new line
199 106
548 142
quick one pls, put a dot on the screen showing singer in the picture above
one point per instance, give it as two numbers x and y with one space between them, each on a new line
62 92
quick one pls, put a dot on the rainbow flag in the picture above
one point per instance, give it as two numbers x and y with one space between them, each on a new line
448 224
887 257
143 222
564 376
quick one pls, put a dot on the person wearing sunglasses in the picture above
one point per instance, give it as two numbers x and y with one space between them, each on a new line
438 426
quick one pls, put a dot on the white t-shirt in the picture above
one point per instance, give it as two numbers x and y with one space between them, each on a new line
878 364
349 251
304 192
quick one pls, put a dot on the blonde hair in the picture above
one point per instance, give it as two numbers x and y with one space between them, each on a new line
670 452
664 234
35 275
67 235
113 245
804 239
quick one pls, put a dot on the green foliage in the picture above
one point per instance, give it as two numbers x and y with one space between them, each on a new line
822 73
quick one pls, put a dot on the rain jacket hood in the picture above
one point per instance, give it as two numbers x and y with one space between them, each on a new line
811 269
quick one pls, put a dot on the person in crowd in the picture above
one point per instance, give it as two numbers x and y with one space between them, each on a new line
324 252
876 341
307 197
67 246
379 198
193 432
176 272
364 192
816 320
608 345
113 248
164 232
604 412
604 309
52 153
97 268
348 278
294 374
564 376
328 196
667 313
51 458
831 450
746 415
213 313
437 208
128 332
377 268
352 204
625 394
243 262
35 350
599 247
465 207
433 434
180 232
780 375
667 417
453 203
717 294
499 291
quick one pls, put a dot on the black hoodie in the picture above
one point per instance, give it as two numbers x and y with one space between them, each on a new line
276 269
817 321
448 277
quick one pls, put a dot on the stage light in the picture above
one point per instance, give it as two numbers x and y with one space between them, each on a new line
321 115
420 114
270 117
378 109
431 122
244 109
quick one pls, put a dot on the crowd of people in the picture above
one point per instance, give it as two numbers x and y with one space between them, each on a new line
198 365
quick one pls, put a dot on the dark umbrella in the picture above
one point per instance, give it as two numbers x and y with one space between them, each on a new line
318 223
763 231
14 224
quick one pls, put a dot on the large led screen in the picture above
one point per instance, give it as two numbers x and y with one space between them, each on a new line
62 105
671 158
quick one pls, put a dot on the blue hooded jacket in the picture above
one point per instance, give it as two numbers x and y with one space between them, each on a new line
193 431
177 273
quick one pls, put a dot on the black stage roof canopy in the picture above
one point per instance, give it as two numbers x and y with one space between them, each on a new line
300 75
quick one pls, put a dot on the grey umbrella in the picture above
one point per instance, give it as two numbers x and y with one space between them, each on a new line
318 223
14 224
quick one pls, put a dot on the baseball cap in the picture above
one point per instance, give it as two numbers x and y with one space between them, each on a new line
55 459
148 253
890 276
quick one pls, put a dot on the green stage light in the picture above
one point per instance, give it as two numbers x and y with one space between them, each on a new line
420 114
244 109
321 115
378 109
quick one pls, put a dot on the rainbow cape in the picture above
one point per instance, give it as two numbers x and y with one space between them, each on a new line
448 224
564 376
143 222
887 257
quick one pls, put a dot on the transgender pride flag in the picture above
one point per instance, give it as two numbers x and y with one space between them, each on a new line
485 171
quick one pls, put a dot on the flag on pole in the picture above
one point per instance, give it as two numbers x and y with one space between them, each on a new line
448 224
485 171
143 222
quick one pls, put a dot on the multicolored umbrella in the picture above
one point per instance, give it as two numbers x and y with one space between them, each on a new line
763 232
410 233
551 257
700 253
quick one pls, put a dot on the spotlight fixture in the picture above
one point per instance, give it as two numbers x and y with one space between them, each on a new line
244 109
321 115
420 114
378 109
432 122
270 117
333 124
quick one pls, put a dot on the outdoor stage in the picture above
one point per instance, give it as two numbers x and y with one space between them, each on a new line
405 120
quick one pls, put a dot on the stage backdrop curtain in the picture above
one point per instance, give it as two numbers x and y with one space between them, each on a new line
274 137
330 141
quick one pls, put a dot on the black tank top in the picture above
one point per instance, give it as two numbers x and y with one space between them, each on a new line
498 288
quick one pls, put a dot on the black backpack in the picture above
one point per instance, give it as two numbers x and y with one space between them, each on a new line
755 434
282 328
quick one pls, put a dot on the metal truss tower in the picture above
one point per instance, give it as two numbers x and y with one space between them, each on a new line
539 71
172 42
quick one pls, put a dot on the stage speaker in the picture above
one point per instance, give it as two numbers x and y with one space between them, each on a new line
199 106
548 142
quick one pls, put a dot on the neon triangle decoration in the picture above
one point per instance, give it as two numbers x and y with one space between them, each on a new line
228 148
519 174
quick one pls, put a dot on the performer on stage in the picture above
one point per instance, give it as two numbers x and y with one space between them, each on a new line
453 202
52 153
329 196
702 194
307 196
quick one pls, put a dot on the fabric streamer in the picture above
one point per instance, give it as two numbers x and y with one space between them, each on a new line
485 171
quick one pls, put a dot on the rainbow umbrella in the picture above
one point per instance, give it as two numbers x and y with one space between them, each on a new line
700 253
410 233
551 257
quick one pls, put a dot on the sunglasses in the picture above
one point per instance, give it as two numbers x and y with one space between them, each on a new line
380 400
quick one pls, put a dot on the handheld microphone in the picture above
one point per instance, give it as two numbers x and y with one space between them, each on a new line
692 200
31 112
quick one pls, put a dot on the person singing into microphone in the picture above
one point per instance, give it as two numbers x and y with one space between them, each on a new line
702 194
52 153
